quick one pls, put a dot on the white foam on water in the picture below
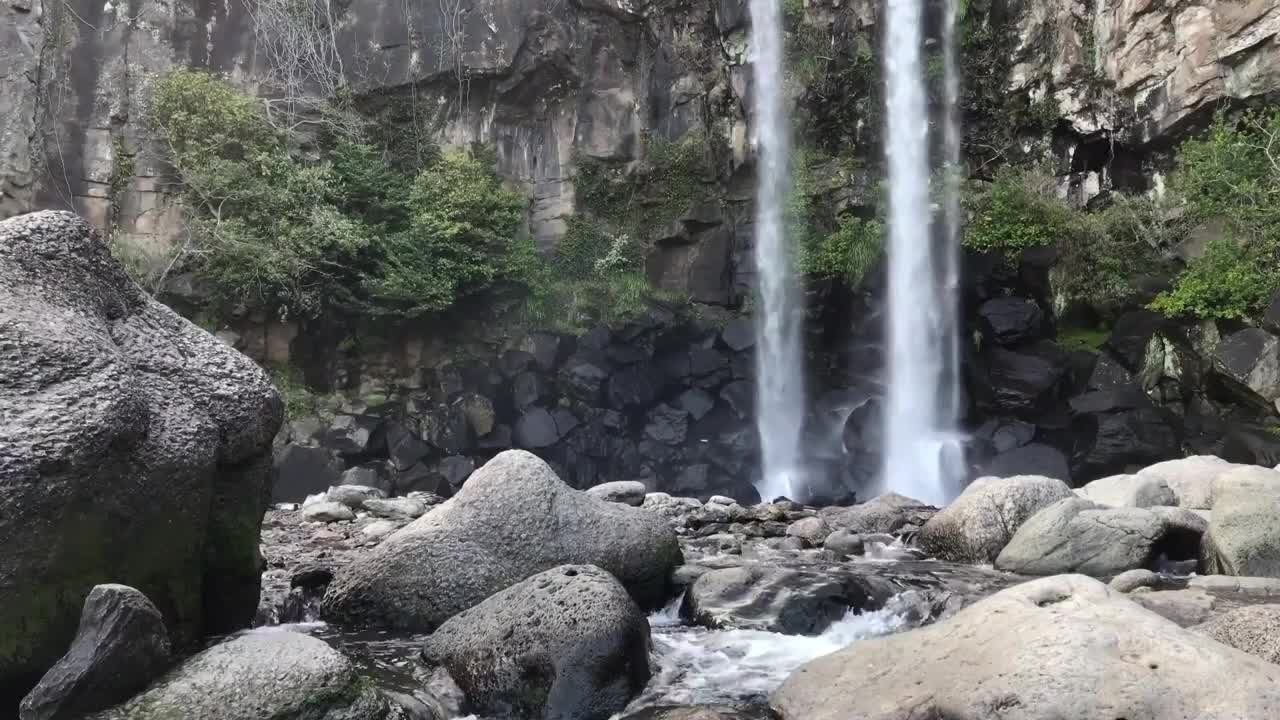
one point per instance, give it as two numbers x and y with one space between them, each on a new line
696 665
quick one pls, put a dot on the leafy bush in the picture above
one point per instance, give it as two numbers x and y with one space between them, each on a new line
1229 281
463 237
846 254
593 277
1231 176
347 232
1104 255
1018 211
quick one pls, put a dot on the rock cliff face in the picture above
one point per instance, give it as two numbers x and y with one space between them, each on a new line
556 85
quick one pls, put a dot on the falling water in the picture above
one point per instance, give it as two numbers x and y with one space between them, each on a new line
780 384
921 443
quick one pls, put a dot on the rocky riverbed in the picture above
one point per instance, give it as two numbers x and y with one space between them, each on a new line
763 591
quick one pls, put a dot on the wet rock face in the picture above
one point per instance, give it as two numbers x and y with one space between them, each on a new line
781 600
565 643
102 387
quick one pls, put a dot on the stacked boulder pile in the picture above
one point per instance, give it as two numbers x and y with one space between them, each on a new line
660 399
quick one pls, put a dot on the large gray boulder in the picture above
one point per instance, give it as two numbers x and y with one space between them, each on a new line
514 518
1190 478
887 513
136 450
1129 491
120 647
566 643
1244 532
1057 647
976 527
1076 535
268 673
1254 629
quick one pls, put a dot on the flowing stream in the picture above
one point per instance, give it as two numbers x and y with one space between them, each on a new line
923 451
780 383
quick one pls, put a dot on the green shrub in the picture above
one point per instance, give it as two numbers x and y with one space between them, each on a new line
463 237
1233 174
1018 211
846 254
1230 176
1229 281
1104 255
347 232
299 400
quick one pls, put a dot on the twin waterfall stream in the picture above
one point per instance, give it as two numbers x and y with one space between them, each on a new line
923 448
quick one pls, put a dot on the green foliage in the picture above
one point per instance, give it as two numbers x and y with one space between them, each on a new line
594 277
1229 281
1233 174
846 254
792 11
348 232
671 180
1105 255
1018 212
1082 338
462 239
299 400
1231 177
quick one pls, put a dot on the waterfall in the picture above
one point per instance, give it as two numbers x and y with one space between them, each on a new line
779 377
922 456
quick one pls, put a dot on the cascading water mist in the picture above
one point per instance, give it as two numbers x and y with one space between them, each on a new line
779 377
922 454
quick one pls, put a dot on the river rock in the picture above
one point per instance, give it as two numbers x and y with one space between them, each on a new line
1129 491
1244 533
120 647
774 599
327 511
566 643
353 496
513 518
1056 645
267 673
1184 607
136 450
1254 629
399 508
1131 580
886 513
976 527
843 543
812 531
1076 535
1190 478
627 492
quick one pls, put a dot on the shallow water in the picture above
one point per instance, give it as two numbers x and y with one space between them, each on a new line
691 665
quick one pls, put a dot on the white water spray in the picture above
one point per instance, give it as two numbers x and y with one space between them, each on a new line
922 453
779 378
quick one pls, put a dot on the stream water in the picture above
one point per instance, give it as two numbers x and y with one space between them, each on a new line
691 665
